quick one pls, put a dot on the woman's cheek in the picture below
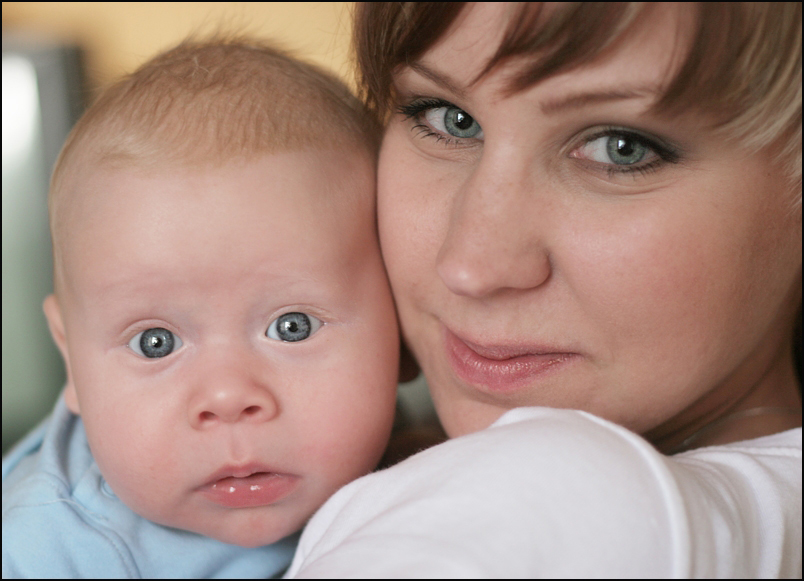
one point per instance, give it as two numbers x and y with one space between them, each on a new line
410 221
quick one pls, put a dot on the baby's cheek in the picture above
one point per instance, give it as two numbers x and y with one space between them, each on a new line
139 468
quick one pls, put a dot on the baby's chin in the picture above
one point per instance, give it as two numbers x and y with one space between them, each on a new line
262 533
248 540
244 527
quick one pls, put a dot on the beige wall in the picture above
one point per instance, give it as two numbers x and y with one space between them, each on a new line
118 36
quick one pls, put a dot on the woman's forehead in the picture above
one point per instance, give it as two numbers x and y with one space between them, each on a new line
641 61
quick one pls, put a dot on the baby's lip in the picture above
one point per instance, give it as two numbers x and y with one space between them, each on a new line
248 485
239 471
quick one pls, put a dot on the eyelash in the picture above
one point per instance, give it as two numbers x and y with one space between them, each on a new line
414 111
417 107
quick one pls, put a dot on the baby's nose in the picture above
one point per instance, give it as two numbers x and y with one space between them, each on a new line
222 409
230 392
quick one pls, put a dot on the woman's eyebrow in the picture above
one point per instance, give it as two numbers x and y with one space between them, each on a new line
578 100
439 79
552 106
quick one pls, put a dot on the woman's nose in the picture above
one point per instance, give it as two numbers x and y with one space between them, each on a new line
231 390
494 240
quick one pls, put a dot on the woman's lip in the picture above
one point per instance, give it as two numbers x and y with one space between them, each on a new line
502 368
248 486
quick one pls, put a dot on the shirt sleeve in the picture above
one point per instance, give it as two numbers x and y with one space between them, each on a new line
541 493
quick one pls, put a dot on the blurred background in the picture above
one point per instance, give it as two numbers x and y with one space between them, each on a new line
56 56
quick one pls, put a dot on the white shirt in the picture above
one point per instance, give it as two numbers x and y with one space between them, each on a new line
561 493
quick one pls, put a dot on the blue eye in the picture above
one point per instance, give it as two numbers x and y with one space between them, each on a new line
292 327
619 151
620 148
453 121
156 342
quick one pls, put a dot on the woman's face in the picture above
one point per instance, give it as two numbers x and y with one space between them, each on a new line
560 247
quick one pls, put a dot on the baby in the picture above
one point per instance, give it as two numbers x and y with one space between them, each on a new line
225 319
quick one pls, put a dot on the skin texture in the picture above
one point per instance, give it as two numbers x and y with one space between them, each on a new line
668 296
215 254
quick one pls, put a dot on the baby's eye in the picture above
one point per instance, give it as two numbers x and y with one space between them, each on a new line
292 327
157 342
453 121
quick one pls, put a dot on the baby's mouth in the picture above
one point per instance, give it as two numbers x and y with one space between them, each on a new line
248 486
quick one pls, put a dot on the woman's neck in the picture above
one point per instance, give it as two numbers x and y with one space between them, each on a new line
769 402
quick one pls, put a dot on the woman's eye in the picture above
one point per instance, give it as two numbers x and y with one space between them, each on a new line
156 342
292 327
440 120
453 121
619 149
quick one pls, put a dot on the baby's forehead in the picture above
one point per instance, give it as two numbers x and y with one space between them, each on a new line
323 196
320 180
295 227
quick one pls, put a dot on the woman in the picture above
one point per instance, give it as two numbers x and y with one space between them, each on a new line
595 207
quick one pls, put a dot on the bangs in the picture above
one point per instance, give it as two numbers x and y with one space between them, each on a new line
742 69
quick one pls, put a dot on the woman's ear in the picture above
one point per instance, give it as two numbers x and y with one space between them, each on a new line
408 367
56 324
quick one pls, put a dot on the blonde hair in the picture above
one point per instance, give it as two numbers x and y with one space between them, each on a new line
743 67
208 102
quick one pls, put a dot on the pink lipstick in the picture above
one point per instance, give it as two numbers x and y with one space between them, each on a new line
502 368
248 486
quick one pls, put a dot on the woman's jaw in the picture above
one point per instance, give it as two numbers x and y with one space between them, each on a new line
473 383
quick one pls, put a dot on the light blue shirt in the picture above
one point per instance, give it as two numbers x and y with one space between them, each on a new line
61 519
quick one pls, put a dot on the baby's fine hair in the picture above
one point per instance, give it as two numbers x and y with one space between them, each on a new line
210 102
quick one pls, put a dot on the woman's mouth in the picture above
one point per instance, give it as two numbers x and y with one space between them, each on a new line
502 368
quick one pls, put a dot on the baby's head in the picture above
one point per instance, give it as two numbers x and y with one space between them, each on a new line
221 303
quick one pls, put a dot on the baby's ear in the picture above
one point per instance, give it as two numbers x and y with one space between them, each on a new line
408 367
56 324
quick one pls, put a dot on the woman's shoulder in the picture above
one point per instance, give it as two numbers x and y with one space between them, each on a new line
785 443
768 464
548 492
535 490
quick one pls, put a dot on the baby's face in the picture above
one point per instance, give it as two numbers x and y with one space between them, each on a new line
230 338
